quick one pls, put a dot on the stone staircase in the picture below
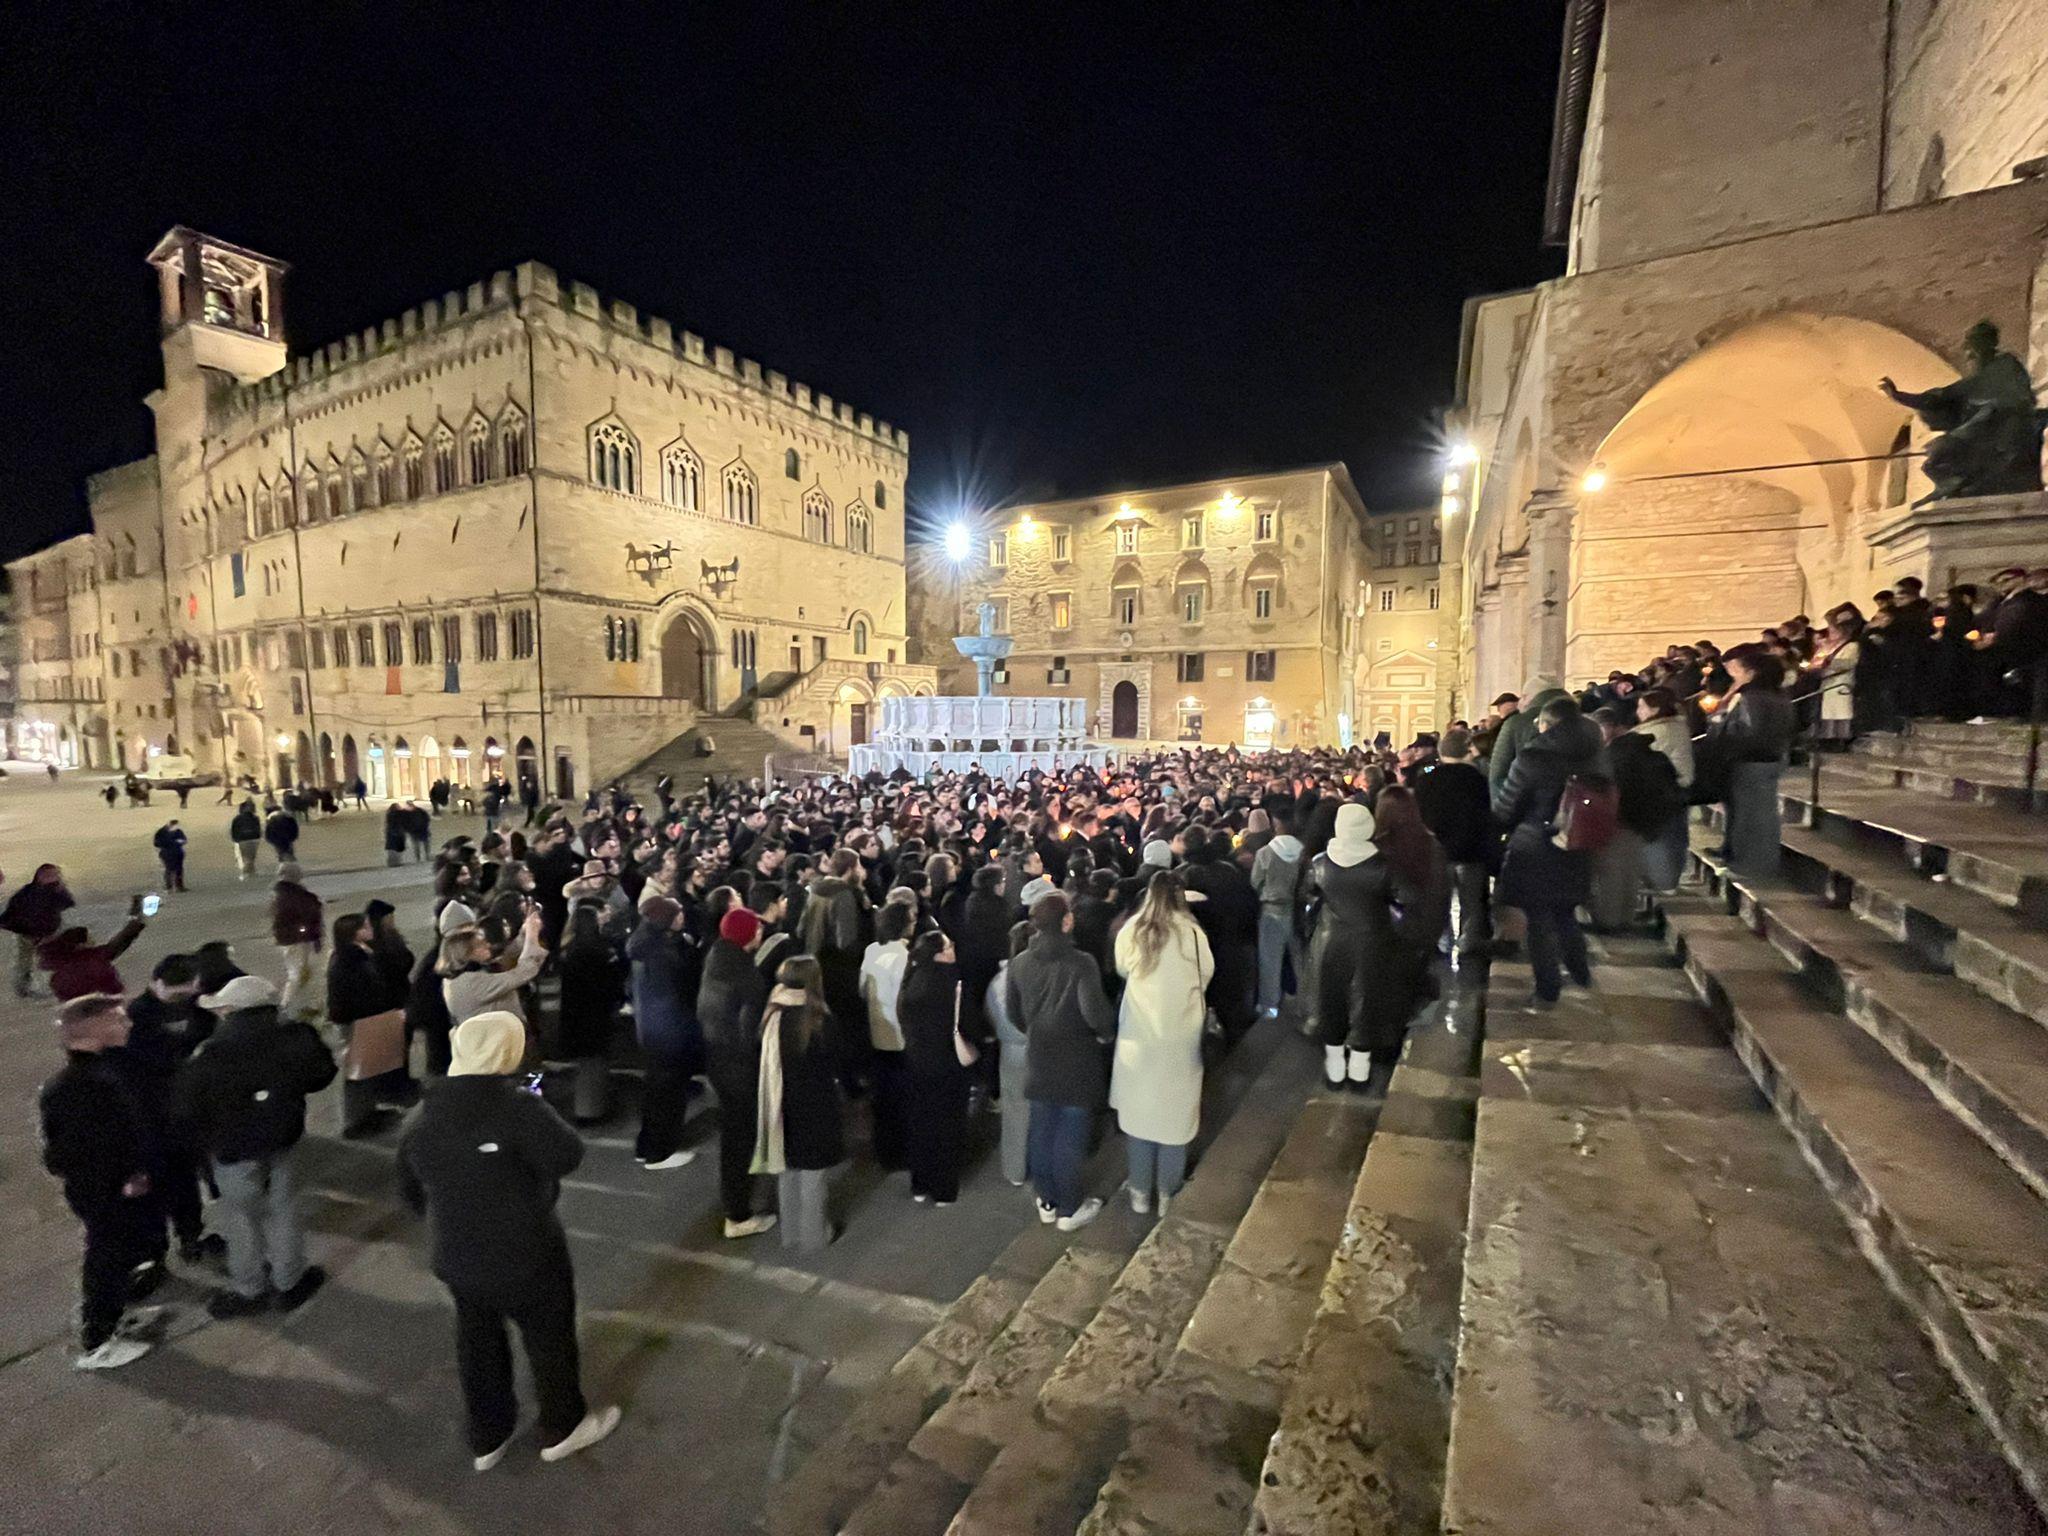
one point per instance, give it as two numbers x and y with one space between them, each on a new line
1893 1013
1984 763
740 750
1131 1378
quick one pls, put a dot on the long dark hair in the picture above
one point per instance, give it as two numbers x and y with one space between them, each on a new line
802 973
1402 835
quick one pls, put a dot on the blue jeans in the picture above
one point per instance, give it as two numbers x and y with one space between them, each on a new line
1154 1163
1059 1146
258 1215
1276 943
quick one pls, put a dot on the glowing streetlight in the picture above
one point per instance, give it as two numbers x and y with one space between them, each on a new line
1230 503
1463 454
1594 480
958 541
284 741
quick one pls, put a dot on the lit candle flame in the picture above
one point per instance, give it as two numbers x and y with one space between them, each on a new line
1709 703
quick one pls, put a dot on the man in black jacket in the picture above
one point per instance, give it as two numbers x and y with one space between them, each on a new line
1054 994
1451 793
1548 882
166 1026
729 1003
243 1094
101 1142
1229 914
485 1161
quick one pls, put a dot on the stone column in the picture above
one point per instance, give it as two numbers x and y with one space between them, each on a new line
1550 573
1509 668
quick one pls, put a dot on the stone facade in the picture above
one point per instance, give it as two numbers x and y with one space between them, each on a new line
1221 611
1683 437
516 524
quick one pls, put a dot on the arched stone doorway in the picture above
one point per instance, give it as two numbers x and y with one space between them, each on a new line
1123 711
688 654
526 765
351 765
305 759
327 769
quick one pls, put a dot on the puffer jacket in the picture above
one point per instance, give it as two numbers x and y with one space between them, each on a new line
1055 996
243 1093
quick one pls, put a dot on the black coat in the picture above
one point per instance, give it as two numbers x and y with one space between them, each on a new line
1645 784
96 1134
813 1121
983 942
925 1008
1055 996
484 1160
730 1001
593 985
243 1093
1366 987
1456 805
1535 870
357 986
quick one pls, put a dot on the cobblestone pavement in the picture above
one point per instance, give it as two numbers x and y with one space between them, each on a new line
730 1358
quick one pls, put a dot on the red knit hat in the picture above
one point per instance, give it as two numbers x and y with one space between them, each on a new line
739 926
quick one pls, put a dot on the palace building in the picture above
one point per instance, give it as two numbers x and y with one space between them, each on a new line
517 526
1765 211
1251 609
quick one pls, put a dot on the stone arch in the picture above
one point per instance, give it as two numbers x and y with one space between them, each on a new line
689 653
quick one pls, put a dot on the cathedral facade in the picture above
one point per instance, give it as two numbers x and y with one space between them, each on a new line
517 527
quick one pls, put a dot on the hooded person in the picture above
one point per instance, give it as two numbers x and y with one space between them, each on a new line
1516 730
1360 1016
1157 854
1276 881
484 1160
243 1097
1545 880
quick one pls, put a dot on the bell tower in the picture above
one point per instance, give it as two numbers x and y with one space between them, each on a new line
223 306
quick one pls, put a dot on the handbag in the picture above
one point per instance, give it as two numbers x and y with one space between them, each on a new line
967 1053
376 1045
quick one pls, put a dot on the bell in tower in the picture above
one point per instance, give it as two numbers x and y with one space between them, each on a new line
222 304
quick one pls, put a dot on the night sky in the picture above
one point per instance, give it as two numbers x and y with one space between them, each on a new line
1068 251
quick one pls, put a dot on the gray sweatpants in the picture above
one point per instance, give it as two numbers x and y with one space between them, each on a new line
258 1215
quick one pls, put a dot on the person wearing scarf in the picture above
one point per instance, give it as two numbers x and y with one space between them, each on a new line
1355 954
484 1161
799 1136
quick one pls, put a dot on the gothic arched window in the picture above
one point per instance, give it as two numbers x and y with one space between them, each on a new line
742 495
614 457
682 477
817 517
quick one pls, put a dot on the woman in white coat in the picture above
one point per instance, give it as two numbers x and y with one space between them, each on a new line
1156 1084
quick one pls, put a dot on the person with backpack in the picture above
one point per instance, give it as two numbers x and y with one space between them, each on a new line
1647 795
1557 808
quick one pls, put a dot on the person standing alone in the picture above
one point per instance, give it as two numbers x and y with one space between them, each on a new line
484 1161
170 851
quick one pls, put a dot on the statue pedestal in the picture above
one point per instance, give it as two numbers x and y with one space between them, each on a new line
1967 539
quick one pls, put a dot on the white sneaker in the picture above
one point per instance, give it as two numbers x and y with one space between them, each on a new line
1333 1065
1360 1067
1140 1201
490 1459
596 1424
1165 1205
753 1226
1047 1214
112 1355
673 1160
1084 1213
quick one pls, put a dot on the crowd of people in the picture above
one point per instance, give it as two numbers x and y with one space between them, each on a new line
858 967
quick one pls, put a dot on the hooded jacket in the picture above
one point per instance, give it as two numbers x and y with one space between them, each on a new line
1276 874
243 1094
1055 997
36 909
1529 794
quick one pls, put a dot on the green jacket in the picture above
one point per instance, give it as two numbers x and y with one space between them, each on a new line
1514 731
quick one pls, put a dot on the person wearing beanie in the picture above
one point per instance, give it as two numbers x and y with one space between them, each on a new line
243 1096
99 1142
730 1001
484 1160
1354 951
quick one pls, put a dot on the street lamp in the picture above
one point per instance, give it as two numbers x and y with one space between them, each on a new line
958 541
1594 480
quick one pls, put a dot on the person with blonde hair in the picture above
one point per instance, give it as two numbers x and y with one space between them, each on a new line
1155 1083
484 1161
799 1135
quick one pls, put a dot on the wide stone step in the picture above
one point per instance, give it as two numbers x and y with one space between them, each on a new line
1991 766
2000 735
1041 1283
2001 854
2002 953
1665 1327
1190 1464
1362 1435
1956 1234
1050 1464
938 1463
1987 1063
